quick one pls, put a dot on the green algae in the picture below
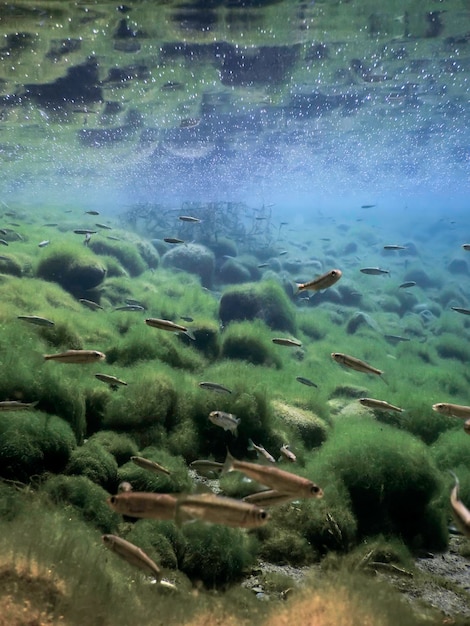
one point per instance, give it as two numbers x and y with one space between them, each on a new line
93 461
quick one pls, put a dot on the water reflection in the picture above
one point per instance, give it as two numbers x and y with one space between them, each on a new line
218 98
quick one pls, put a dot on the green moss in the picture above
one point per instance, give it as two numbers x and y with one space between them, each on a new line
127 254
145 534
450 346
250 341
96 463
10 265
84 496
33 443
309 427
452 449
265 300
122 447
286 546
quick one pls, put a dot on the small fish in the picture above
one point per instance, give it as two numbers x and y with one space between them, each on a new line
374 271
393 246
152 466
453 410
461 310
261 450
15 405
3 242
124 487
186 318
466 246
263 265
94 306
206 468
215 509
214 387
396 338
134 302
284 341
460 512
189 218
43 244
306 381
156 322
130 307
190 122
355 364
76 356
227 421
269 497
172 240
287 453
322 282
113 238
161 506
132 554
103 226
84 231
112 381
50 224
282 253
367 206
407 285
92 212
380 405
35 319
274 478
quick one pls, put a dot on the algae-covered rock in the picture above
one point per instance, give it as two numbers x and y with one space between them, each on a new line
265 301
250 342
192 258
96 463
177 481
232 272
10 265
126 253
77 270
121 446
32 443
312 429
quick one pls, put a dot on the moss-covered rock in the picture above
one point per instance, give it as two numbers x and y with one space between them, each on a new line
312 429
251 342
121 446
126 253
265 301
10 265
177 481
232 271
192 258
96 463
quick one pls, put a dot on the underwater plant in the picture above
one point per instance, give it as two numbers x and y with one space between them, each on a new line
95 462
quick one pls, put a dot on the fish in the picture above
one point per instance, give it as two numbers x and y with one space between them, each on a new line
112 381
172 240
214 387
374 271
261 450
3 242
282 253
132 554
84 231
269 497
152 466
76 356
466 246
15 405
51 224
143 505
396 338
113 238
92 212
407 284
94 306
322 282
130 307
367 206
156 322
215 509
124 487
103 226
35 319
274 478
459 510
43 244
206 468
186 318
284 341
287 453
461 310
189 218
452 410
190 122
227 421
134 302
466 426
393 246
306 381
355 364
262 265
380 405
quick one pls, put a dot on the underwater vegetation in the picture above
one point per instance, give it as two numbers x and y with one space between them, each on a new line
69 431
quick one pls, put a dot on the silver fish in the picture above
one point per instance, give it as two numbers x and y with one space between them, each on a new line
321 282
287 453
374 271
214 387
76 356
161 506
407 285
227 421
132 554
15 405
459 510
306 381
355 364
452 410
380 405
461 310
156 322
152 466
112 381
93 306
285 341
215 509
130 307
261 450
35 319
44 243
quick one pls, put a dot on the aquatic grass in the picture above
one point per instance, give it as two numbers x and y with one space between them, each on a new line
33 443
95 462
121 446
450 346
389 475
250 341
85 498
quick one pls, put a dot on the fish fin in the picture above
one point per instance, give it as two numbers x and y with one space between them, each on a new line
297 288
250 445
384 379
189 333
228 464
457 483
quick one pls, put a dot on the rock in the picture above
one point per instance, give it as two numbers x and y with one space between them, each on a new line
361 319
193 258
458 266
77 273
234 272
311 428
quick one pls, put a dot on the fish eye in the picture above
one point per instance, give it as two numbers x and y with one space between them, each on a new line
315 489
263 515
113 499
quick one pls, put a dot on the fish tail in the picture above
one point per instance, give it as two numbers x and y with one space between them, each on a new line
189 333
228 464
381 375
297 288
251 445
457 482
